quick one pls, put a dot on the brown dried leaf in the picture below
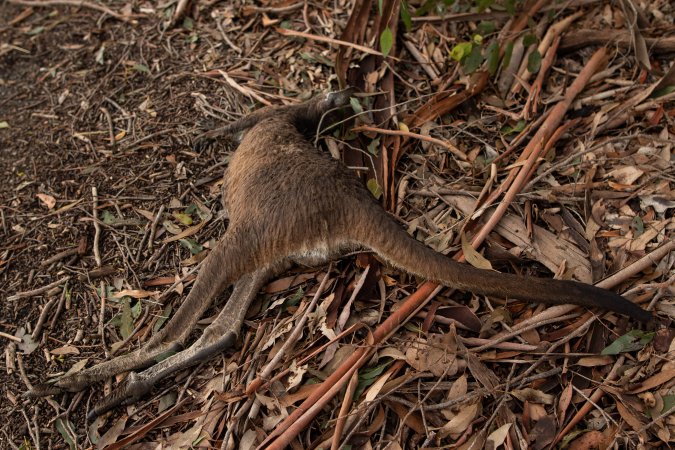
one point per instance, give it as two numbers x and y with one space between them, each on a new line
543 433
626 175
47 200
593 361
533 396
135 293
655 381
473 257
65 350
460 422
628 416
113 433
436 355
497 437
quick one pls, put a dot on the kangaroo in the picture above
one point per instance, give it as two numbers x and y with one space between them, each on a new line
288 202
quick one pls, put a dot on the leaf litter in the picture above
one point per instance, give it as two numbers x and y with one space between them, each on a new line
465 88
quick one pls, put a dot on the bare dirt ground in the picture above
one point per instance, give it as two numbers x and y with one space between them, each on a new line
105 206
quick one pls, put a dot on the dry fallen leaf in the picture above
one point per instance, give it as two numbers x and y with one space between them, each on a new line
47 200
436 355
497 437
460 422
65 350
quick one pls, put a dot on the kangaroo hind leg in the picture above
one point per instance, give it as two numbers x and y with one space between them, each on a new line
219 270
216 338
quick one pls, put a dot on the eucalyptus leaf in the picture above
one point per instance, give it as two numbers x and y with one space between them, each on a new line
374 188
629 342
386 41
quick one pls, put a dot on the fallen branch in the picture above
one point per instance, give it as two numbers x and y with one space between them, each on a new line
286 431
538 143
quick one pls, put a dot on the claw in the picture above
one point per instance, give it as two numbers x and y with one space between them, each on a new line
133 388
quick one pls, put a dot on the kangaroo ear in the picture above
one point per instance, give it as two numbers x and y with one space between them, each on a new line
307 115
340 98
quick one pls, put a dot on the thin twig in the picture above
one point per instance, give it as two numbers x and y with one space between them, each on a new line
316 37
38 291
43 317
10 337
153 228
97 227
451 148
77 3
101 316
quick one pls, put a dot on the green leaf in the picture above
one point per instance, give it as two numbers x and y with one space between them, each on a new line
356 106
136 309
405 16
668 403
534 61
413 327
188 23
192 245
295 298
517 128
374 188
379 6
474 60
629 342
138 67
107 217
373 372
162 319
386 41
167 401
427 7
484 4
508 52
529 39
183 218
126 325
638 225
663 91
368 377
477 38
162 356
493 57
461 51
485 28
36 30
286 25
374 146
63 426
472 256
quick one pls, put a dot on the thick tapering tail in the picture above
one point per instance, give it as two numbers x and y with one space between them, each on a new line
395 246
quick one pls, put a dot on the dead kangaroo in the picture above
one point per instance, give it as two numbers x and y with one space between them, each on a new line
290 203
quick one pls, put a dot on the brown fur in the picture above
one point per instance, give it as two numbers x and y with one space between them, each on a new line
290 202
